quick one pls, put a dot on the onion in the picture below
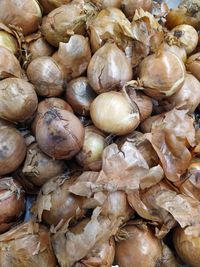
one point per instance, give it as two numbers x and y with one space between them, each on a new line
7 39
39 168
193 65
12 149
162 75
12 203
179 51
187 36
74 56
80 95
187 246
90 156
59 134
47 76
146 125
109 69
27 245
129 6
18 100
25 14
112 112
141 248
49 5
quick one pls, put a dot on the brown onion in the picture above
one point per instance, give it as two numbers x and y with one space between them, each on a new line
47 76
25 14
74 56
39 168
18 100
113 113
12 149
193 65
59 134
177 50
8 41
187 36
146 125
27 245
107 3
141 248
90 156
129 6
187 246
162 75
12 203
109 69
49 5
80 95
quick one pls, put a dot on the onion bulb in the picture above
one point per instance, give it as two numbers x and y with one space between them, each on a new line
80 95
47 76
49 5
193 65
12 203
141 248
162 75
187 246
59 134
25 14
113 113
12 149
187 36
129 6
90 156
7 39
109 69
177 50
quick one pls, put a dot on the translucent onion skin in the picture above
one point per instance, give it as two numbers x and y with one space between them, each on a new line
12 203
47 76
187 247
129 6
59 134
112 112
25 14
12 148
109 69
193 65
8 41
162 75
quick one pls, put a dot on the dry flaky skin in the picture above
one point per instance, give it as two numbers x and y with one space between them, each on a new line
129 6
73 56
193 65
7 39
49 5
107 3
27 245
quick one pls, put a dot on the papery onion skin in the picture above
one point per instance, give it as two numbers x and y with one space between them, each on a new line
193 65
129 6
8 41
12 203
80 95
49 5
109 69
21 13
12 148
47 76
141 246
187 247
107 3
59 134
179 51
112 112
162 75
18 100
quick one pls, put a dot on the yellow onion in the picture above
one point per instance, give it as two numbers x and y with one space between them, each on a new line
12 148
139 247
47 76
38 168
129 6
18 100
90 156
193 65
109 69
27 245
49 5
187 36
177 50
162 74
59 134
187 246
73 56
12 203
113 113
25 14
7 39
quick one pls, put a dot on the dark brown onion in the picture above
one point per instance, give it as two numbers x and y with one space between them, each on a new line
18 100
47 76
193 65
12 203
140 247
129 6
109 69
12 149
59 134
80 95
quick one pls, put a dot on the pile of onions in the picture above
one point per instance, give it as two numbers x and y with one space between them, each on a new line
193 65
129 6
